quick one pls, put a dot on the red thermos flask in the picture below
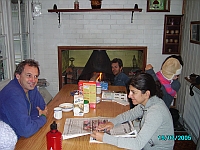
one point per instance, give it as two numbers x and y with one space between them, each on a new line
54 138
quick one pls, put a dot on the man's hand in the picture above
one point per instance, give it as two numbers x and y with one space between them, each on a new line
44 112
95 76
148 67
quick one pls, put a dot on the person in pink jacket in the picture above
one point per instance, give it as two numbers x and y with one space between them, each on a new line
169 72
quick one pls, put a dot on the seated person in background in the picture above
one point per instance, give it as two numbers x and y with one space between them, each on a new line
8 138
171 69
156 118
21 105
120 79
169 72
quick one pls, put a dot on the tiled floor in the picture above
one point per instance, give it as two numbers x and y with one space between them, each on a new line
184 144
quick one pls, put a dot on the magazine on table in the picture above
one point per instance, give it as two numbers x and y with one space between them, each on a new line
75 127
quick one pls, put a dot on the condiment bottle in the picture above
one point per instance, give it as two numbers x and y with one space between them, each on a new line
76 4
86 106
54 138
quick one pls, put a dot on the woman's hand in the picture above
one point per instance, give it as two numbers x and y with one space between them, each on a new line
106 126
97 135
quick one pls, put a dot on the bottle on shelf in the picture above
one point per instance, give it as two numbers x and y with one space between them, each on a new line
54 138
172 21
134 61
76 4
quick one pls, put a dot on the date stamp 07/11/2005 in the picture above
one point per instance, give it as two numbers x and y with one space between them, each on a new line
174 137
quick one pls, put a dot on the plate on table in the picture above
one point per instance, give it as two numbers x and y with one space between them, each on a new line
66 107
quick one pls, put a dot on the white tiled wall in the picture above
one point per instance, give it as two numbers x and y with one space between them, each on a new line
97 28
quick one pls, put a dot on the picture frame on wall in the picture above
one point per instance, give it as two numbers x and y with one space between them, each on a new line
158 5
195 32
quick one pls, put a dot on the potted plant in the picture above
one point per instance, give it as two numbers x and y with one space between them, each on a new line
96 4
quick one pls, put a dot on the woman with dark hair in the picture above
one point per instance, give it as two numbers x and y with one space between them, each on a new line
156 123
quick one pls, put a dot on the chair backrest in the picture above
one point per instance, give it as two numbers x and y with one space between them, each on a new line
3 84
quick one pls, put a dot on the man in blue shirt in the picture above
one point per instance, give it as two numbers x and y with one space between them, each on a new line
22 107
120 79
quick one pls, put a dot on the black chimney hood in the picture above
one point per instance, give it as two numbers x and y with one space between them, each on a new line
98 62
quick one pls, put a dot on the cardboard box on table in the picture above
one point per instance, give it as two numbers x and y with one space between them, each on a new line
78 105
89 91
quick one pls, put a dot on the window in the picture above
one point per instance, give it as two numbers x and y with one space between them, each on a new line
14 35
3 71
20 28
3 58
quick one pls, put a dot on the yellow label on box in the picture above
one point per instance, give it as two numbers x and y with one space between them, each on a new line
89 91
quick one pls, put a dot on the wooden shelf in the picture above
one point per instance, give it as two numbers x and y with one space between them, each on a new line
173 25
172 34
172 43
58 11
94 10
189 80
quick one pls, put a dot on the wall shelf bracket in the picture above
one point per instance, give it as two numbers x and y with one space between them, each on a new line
132 17
58 19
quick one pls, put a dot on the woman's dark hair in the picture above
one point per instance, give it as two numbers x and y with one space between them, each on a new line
145 82
29 62
117 60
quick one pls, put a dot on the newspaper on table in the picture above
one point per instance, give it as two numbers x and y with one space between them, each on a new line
123 130
119 97
75 127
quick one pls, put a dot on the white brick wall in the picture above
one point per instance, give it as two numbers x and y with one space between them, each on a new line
97 28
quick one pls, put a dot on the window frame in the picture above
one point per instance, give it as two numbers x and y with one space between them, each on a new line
7 32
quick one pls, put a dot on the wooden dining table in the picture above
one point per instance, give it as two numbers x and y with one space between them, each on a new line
103 109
